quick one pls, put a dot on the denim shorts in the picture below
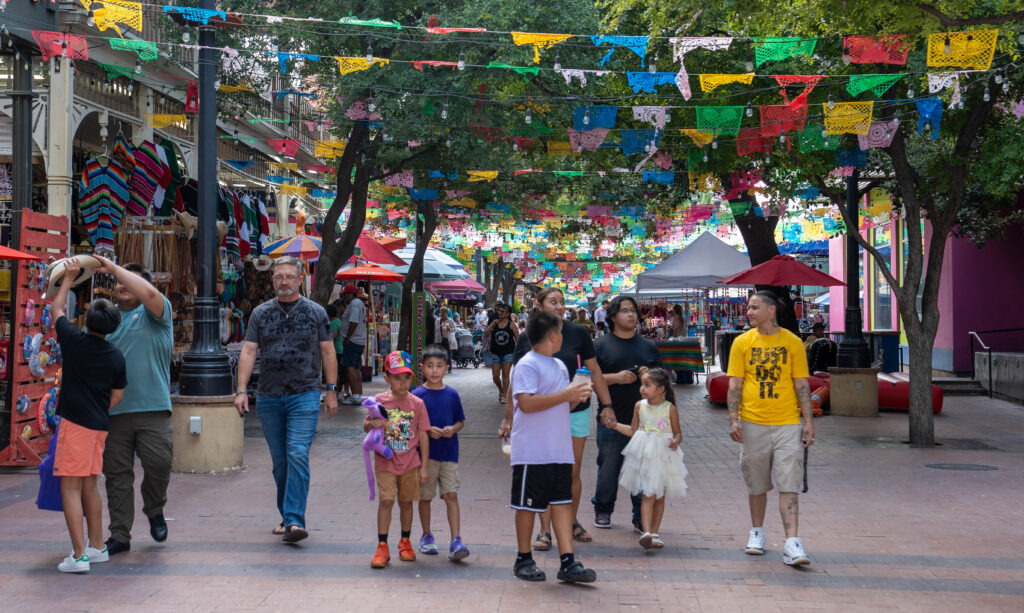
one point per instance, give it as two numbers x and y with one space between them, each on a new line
500 359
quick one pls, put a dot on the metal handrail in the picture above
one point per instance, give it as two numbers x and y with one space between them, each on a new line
974 334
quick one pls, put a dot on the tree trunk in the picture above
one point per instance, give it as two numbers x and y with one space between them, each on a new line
759 237
508 284
922 428
415 270
493 274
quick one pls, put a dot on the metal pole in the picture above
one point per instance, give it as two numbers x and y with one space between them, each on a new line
206 369
419 238
853 351
21 150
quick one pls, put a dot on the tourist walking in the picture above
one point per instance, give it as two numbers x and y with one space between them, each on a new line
293 336
577 350
768 392
353 342
140 425
503 334
624 356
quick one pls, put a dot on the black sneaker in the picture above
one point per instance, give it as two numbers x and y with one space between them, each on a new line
115 546
638 527
603 520
158 528
575 573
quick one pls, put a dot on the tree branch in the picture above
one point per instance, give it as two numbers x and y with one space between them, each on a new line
422 152
947 21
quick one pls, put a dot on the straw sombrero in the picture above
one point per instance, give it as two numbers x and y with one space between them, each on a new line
55 272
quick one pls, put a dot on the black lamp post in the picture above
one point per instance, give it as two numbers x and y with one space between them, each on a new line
205 368
853 350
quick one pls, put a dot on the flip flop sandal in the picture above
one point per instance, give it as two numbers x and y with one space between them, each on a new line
527 570
543 542
278 530
294 533
580 533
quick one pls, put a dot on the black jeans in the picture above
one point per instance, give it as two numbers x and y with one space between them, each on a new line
609 463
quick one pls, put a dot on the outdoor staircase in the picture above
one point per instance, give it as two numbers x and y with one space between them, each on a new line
958 386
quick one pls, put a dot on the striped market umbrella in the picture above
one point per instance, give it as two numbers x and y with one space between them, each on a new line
298 246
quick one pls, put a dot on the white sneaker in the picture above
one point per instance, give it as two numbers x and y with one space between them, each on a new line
97 555
793 553
71 565
756 542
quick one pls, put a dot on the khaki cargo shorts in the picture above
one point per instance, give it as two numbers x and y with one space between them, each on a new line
772 454
442 477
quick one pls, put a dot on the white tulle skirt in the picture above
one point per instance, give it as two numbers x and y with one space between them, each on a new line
650 468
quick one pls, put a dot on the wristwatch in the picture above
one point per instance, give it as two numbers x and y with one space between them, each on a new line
607 405
240 392
332 387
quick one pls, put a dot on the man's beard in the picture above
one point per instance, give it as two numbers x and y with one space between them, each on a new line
286 292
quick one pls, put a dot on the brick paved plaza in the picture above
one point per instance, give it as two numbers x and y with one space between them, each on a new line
883 530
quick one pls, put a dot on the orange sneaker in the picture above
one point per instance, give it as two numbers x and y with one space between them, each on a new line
380 559
405 551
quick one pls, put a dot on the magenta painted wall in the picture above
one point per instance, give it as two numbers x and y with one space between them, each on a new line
987 293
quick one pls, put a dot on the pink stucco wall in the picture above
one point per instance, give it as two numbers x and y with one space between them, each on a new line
837 293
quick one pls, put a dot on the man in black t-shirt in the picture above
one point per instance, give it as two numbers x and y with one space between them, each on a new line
623 356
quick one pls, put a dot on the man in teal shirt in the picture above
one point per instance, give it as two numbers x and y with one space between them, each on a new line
141 424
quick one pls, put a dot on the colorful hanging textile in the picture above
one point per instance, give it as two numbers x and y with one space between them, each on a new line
560 148
145 49
419 64
848 117
567 173
172 199
877 83
281 93
445 31
661 177
292 190
654 115
719 119
240 164
51 44
785 80
571 73
883 49
705 182
114 72
635 141
162 120
814 138
523 70
750 141
234 89
929 112
683 45
423 194
776 48
283 166
851 157
284 146
283 58
113 12
592 117
589 140
779 118
194 16
146 176
636 44
699 138
328 148
482 175
539 41
348 65
403 179
663 159
358 112
372 23
648 82
710 82
468 203
973 49
880 134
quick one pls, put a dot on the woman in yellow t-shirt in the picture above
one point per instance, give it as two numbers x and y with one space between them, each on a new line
768 392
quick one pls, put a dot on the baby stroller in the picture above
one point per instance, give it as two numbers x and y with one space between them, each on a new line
465 351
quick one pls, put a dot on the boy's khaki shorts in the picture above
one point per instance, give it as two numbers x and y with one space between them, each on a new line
772 453
442 477
403 487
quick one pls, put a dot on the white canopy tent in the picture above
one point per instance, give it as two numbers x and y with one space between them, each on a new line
701 264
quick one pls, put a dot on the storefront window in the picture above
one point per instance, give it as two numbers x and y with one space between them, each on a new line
882 307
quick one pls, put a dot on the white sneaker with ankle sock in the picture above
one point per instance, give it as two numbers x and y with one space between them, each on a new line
793 553
756 542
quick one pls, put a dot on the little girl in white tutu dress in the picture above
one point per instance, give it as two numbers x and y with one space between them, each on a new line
653 464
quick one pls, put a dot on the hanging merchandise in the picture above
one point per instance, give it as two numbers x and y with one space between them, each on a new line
848 117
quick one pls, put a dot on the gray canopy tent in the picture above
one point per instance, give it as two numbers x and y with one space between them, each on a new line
699 265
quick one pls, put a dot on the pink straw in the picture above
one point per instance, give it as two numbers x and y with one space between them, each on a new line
579 362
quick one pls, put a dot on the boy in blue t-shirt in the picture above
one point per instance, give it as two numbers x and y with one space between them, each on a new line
444 407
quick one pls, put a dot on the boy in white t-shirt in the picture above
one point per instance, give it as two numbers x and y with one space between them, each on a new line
541 443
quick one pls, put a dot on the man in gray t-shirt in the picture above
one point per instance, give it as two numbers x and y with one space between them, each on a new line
293 336
353 336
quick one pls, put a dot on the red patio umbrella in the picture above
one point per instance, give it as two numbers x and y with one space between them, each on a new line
371 250
6 253
369 272
781 270
457 285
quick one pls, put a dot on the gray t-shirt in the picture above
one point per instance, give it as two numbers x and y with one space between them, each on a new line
289 341
355 313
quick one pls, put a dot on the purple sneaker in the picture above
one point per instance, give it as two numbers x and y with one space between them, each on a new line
427 545
457 551
603 520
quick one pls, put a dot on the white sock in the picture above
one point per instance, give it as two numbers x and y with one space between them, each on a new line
794 540
758 530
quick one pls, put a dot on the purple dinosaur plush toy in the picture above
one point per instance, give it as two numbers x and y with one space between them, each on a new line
374 441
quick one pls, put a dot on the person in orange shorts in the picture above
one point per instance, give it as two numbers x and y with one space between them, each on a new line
93 383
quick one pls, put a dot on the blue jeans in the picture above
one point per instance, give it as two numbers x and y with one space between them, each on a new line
609 463
289 423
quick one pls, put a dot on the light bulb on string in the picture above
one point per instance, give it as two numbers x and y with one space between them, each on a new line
767 157
831 102
63 48
987 95
947 49
90 20
824 132
372 104
515 145
782 138
846 56
448 142
1006 87
369 54
826 140
910 92
186 34
216 83
999 78
462 61
138 66
586 117
558 63
275 45
896 119
714 142
651 68
1020 39
750 109
444 111
529 116
750 64
647 147
705 156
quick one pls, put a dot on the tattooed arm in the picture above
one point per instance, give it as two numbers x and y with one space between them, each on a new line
733 400
803 396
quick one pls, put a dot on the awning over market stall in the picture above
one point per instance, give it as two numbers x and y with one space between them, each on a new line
700 264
